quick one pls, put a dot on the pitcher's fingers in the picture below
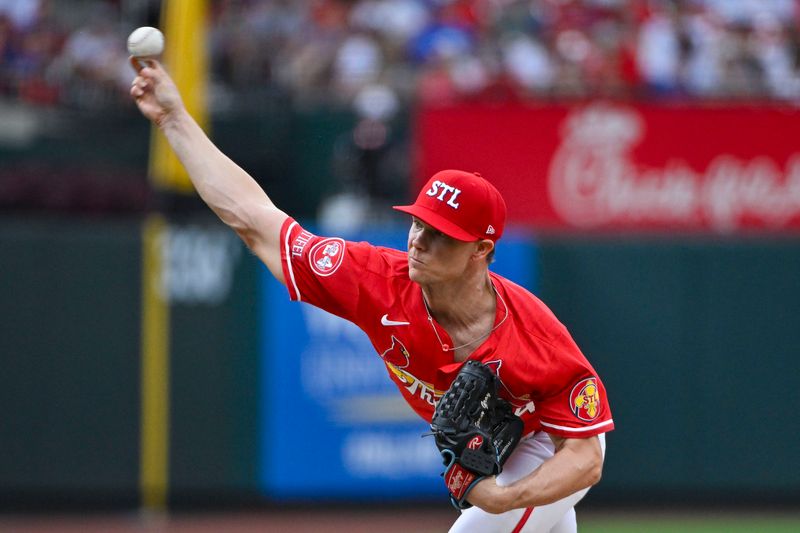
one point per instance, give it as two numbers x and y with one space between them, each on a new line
153 64
154 69
150 70
140 82
136 63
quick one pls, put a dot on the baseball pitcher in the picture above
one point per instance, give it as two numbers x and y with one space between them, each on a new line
516 410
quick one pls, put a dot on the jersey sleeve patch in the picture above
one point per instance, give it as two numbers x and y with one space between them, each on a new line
584 400
326 256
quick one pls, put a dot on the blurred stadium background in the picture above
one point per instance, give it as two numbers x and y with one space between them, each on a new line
155 379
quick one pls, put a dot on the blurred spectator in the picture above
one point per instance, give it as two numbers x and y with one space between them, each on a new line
22 14
29 39
367 175
776 50
527 62
358 62
377 58
702 39
94 60
659 53
434 50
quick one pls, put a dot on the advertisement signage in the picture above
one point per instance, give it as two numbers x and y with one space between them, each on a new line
614 166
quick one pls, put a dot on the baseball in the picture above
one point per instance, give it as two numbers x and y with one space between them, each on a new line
145 42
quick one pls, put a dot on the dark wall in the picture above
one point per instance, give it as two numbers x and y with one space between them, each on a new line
70 301
300 157
69 345
214 373
697 341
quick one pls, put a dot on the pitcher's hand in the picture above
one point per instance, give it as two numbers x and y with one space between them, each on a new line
154 91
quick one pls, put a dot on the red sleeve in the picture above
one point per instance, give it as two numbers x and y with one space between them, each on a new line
578 407
323 271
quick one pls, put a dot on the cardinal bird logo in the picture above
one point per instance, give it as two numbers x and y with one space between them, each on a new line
397 354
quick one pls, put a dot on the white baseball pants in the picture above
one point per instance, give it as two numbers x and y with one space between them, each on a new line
556 517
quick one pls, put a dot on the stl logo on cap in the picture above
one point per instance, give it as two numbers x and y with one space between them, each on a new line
437 185
462 205
585 399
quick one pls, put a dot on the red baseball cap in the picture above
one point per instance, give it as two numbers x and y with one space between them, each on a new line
462 205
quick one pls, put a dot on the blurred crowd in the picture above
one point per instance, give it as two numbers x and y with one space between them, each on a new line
381 53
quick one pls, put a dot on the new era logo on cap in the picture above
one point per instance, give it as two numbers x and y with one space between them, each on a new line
460 204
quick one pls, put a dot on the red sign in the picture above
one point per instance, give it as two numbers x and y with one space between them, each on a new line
617 166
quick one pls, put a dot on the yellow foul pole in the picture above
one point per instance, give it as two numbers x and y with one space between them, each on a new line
154 422
185 56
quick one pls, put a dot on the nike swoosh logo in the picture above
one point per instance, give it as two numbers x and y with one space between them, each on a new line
386 322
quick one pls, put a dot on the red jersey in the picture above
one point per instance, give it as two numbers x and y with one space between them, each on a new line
543 374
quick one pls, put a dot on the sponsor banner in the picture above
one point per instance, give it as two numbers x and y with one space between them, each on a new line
614 166
333 425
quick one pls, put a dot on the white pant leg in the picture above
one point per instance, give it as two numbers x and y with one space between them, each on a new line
567 524
556 517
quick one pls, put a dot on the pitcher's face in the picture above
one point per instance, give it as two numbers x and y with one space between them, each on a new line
433 256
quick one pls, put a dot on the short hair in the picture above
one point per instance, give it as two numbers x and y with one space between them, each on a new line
490 256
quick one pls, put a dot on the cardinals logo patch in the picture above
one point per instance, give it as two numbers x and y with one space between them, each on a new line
584 400
326 256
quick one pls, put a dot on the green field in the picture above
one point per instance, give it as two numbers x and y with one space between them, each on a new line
426 520
727 523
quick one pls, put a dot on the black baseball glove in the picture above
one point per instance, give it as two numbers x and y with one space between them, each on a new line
475 430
